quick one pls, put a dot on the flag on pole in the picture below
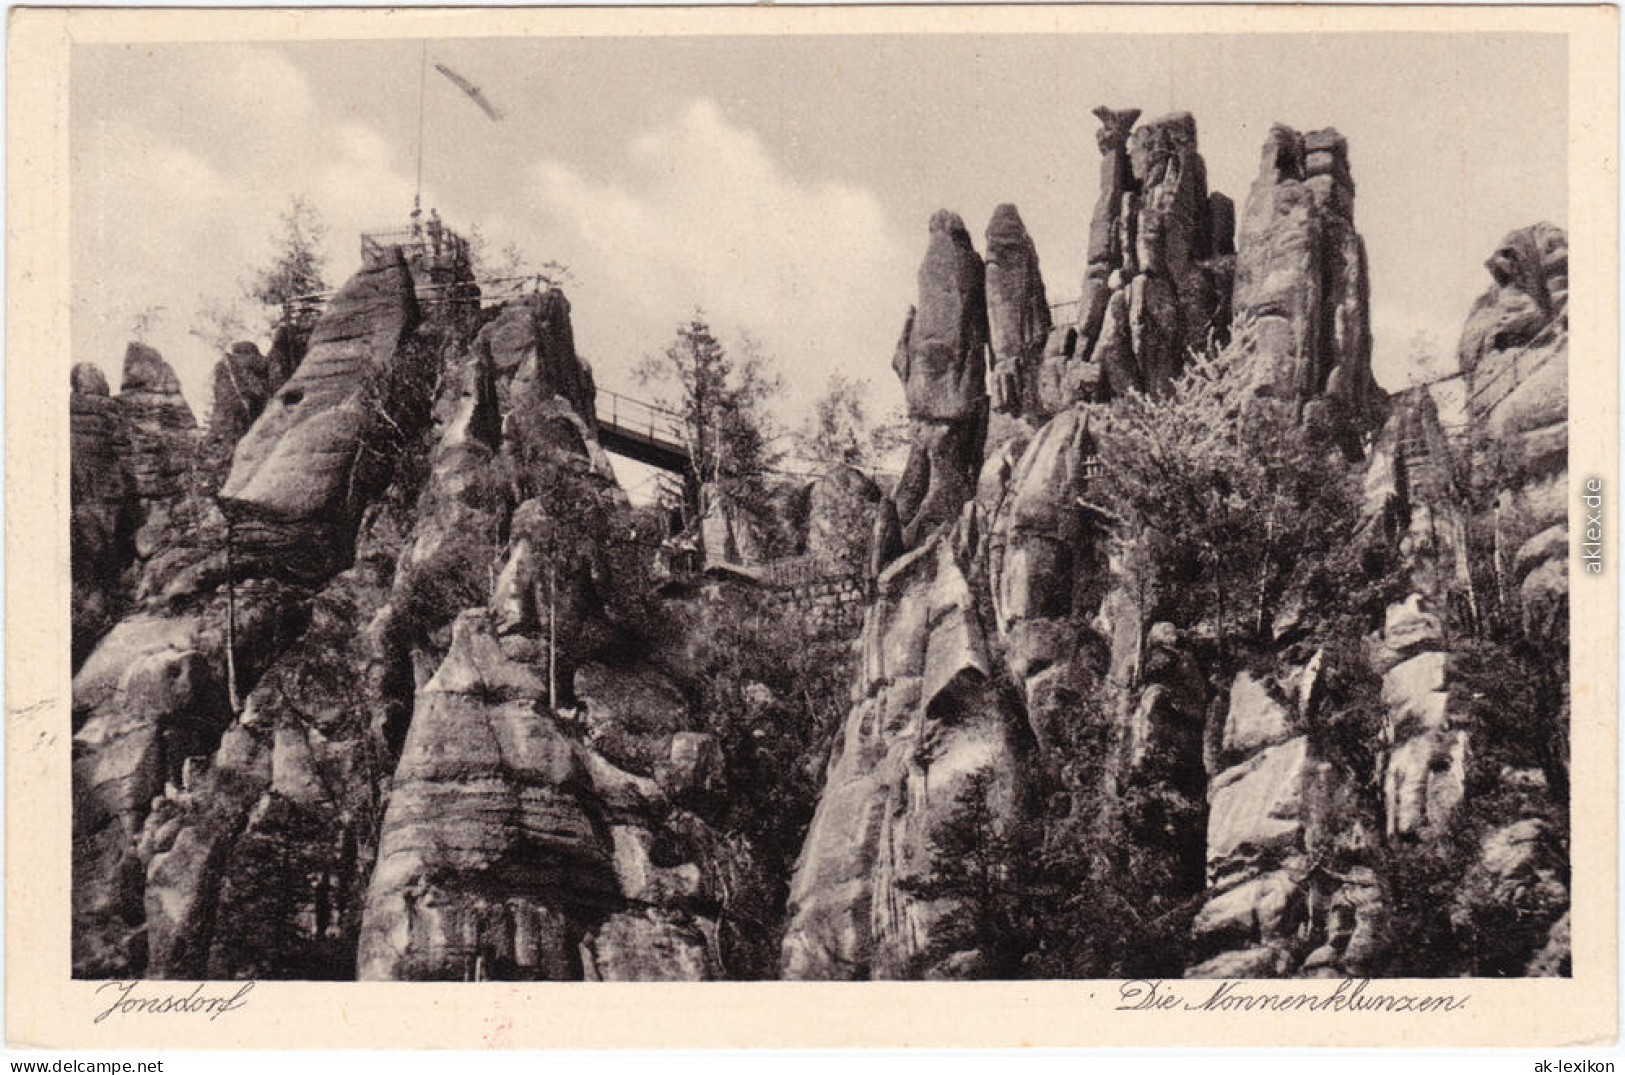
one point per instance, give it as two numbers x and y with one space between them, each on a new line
472 90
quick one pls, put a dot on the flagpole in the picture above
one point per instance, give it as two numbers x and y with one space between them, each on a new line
423 74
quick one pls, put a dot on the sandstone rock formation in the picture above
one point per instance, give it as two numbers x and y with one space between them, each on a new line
1045 566
941 360
104 516
1530 293
1417 487
414 701
929 715
174 822
1330 910
975 645
531 345
144 703
941 357
535 826
158 424
242 386
1018 317
299 476
512 849
1290 887
1302 289
1514 354
1110 234
1157 282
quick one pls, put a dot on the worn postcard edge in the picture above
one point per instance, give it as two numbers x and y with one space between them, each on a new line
46 1008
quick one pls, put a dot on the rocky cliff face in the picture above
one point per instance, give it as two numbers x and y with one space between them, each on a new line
376 717
1158 276
103 518
1462 799
1286 794
377 676
300 476
514 847
519 843
971 649
195 712
1514 355
135 457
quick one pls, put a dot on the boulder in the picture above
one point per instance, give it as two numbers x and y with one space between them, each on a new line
730 532
1253 912
1555 958
1256 806
1256 719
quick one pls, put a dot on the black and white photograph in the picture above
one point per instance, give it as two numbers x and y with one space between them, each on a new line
981 505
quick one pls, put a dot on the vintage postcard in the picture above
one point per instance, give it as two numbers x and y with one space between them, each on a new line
812 526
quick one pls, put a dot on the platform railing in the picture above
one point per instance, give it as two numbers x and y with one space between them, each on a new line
444 248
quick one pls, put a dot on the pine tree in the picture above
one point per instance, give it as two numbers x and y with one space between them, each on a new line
1226 500
980 867
297 266
721 400
839 430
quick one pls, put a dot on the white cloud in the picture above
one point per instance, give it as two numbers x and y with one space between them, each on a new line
706 216
700 212
176 196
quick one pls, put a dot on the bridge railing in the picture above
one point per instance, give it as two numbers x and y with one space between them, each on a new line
1063 313
639 417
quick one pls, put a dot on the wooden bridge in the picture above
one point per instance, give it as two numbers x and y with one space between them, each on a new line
643 432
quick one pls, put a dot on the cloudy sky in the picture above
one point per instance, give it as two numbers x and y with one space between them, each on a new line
782 184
